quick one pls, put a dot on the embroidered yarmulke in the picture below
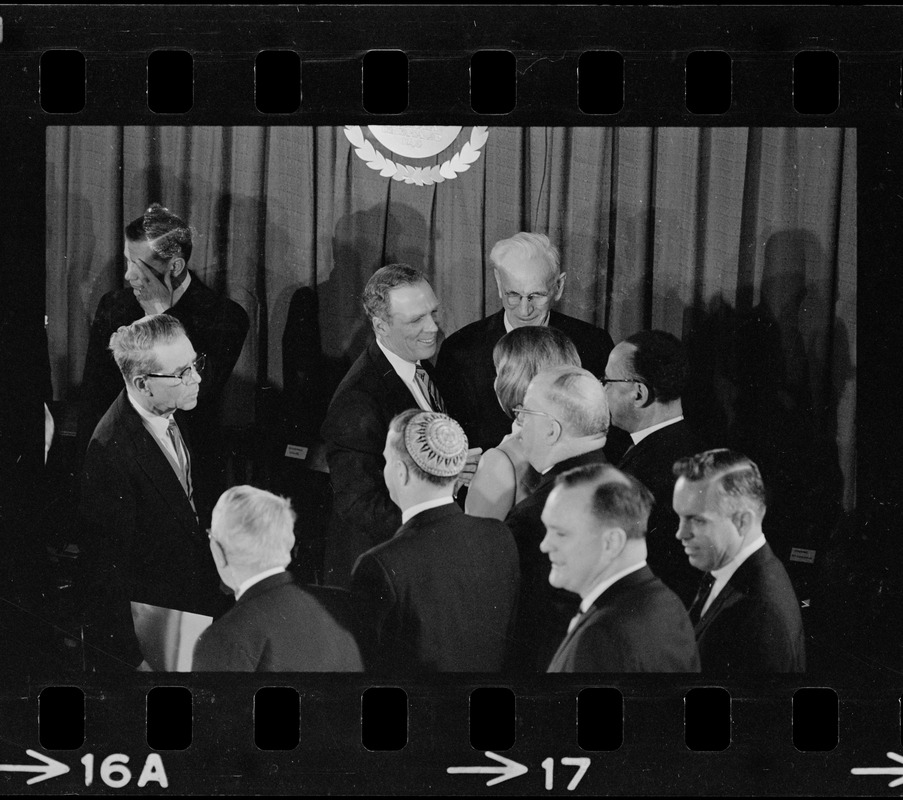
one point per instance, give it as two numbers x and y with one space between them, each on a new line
437 444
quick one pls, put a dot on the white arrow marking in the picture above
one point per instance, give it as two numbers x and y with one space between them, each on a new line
509 769
884 770
51 768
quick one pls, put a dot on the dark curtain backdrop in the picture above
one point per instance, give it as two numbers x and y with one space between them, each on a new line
740 241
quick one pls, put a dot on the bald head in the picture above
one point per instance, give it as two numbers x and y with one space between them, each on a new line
576 399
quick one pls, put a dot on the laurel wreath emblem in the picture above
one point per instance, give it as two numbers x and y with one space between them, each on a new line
419 176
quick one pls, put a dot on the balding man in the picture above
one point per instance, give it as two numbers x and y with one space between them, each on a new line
746 614
529 280
562 424
440 595
276 625
629 621
644 379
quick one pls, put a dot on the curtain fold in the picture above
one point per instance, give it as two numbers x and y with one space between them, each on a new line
742 241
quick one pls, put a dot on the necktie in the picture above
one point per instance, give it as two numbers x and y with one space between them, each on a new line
430 392
575 620
705 589
182 457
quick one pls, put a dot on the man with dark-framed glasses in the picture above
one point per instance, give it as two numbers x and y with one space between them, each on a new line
527 272
143 516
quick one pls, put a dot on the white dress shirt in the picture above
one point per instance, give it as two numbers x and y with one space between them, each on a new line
413 511
245 585
640 435
405 370
157 426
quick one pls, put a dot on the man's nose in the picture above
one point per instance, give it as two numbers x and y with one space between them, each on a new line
544 545
683 531
131 272
430 326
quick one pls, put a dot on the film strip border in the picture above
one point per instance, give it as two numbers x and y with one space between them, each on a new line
579 65
325 735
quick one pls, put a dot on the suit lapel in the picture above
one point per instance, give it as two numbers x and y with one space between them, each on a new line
155 465
397 394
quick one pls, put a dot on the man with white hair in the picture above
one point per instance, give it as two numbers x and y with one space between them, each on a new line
562 424
628 621
276 625
529 280
440 595
746 614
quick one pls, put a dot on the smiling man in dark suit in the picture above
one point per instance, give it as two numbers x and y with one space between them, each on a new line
644 379
144 521
529 279
276 624
746 614
391 375
628 621
440 595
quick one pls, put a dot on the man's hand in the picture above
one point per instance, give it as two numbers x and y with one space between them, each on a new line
153 294
470 467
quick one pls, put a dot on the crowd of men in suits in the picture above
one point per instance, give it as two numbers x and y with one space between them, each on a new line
637 550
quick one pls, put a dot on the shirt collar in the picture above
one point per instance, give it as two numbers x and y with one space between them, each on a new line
157 422
404 369
413 511
509 327
245 585
587 602
638 436
723 574
183 287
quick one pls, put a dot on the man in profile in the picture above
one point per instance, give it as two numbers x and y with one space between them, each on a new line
143 514
746 615
391 375
562 424
157 250
529 280
644 379
628 621
440 595
276 625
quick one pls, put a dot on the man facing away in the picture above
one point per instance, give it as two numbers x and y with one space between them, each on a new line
628 621
746 615
391 375
644 379
143 516
562 424
527 273
440 595
276 625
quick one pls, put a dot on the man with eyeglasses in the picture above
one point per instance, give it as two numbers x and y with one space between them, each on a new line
562 424
644 379
157 249
530 282
143 517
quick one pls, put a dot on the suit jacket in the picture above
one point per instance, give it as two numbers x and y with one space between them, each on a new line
354 430
754 624
651 462
279 626
543 612
636 625
465 373
439 596
216 326
143 540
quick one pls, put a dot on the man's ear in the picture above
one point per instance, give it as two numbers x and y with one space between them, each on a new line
642 396
140 383
560 284
743 521
555 432
379 325
176 266
402 472
615 540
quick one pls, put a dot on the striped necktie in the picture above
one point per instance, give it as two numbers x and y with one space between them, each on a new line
705 589
430 392
182 457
